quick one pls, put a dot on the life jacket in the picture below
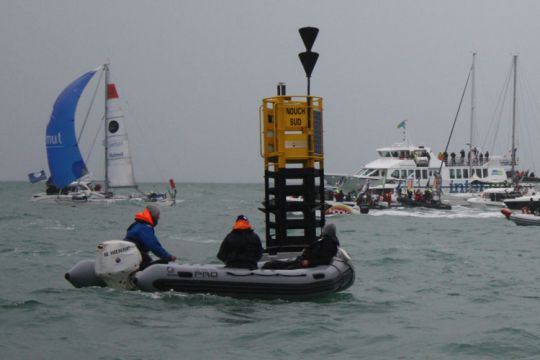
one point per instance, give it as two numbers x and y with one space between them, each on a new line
145 216
241 225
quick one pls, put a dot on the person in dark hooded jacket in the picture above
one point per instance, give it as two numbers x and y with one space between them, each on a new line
319 252
141 233
242 247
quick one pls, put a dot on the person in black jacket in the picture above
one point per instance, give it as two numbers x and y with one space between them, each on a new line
242 247
319 252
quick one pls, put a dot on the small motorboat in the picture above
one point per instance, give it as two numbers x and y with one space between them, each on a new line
522 201
433 204
117 261
494 197
524 218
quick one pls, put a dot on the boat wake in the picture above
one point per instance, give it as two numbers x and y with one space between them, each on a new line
457 212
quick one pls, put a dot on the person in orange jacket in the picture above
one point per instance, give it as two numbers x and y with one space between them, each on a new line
141 233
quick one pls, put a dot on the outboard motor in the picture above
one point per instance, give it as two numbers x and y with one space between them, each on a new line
116 261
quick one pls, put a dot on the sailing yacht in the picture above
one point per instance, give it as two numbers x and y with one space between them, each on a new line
498 196
70 180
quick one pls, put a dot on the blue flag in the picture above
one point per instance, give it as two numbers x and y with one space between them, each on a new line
37 176
402 124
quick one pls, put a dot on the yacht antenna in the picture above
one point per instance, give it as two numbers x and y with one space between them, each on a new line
473 69
456 117
403 125
405 132
107 81
514 122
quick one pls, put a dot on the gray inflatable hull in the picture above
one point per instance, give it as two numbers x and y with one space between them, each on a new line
217 279
84 275
214 279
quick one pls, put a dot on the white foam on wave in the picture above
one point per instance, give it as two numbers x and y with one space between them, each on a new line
195 239
57 225
457 212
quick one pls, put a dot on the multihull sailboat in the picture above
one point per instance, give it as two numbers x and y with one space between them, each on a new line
70 179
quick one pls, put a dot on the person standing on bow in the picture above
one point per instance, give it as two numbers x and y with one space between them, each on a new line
242 247
141 233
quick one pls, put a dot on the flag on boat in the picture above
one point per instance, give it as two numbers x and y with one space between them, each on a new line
365 187
398 187
402 124
37 176
410 181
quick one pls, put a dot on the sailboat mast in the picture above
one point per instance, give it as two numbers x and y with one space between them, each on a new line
473 69
107 80
514 121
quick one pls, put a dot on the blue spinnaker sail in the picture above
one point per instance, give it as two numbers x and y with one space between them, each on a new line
65 161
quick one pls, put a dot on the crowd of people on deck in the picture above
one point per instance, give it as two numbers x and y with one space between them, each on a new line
241 248
474 157
419 196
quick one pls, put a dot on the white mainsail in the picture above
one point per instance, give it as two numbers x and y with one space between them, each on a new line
119 168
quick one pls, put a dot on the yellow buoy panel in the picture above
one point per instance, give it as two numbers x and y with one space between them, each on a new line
290 133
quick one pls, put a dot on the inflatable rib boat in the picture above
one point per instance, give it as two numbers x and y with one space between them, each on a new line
116 265
521 218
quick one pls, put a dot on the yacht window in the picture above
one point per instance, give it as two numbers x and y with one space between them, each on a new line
479 173
374 173
465 173
383 172
403 174
485 172
395 174
409 173
418 174
424 174
387 154
395 154
381 154
430 173
458 173
452 173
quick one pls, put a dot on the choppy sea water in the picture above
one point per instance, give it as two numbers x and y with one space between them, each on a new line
460 284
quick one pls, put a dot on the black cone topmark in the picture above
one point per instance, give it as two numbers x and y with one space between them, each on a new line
308 59
308 34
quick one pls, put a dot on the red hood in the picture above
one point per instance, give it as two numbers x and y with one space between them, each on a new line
241 225
145 216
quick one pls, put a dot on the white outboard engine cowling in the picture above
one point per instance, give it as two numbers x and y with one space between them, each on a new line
116 261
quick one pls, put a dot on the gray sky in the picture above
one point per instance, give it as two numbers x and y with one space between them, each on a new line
193 74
